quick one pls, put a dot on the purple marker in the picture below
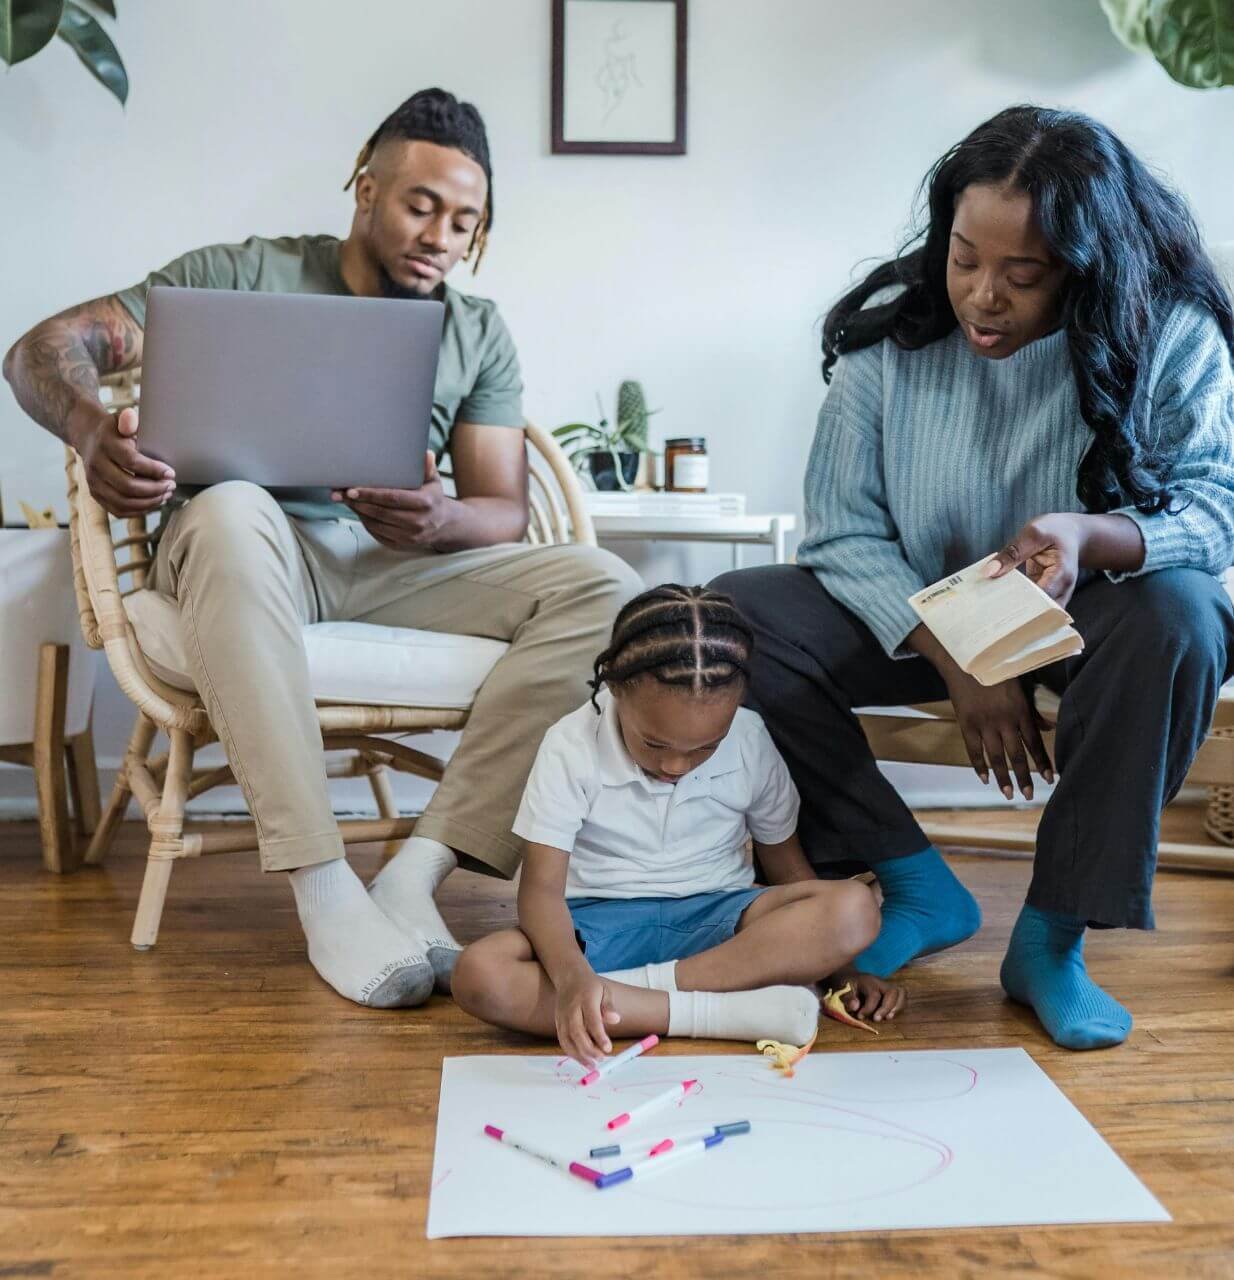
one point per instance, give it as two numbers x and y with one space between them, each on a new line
566 1166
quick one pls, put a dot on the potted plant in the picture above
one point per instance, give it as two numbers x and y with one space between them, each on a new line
610 454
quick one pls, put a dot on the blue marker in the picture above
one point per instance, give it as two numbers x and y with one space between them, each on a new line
652 1165
655 1148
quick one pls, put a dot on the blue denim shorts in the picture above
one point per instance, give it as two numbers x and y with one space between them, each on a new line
621 933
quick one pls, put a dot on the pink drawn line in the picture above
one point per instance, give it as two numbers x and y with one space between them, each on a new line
973 1078
440 1180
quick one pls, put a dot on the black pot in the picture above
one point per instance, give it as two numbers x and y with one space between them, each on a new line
604 471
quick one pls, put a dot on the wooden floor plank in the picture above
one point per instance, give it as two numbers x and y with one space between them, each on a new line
210 1108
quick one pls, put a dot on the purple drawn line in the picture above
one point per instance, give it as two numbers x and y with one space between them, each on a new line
440 1180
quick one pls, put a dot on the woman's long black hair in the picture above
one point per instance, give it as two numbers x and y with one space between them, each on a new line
1132 252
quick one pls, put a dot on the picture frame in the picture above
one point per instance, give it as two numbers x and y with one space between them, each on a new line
619 77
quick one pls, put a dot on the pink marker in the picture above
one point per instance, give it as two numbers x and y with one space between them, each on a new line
675 1094
611 1064
583 1171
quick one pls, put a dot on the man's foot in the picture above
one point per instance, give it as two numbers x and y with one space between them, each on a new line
1044 969
925 909
352 945
403 892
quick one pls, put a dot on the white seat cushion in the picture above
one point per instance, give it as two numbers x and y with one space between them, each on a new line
350 662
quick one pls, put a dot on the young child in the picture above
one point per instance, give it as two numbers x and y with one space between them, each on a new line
637 905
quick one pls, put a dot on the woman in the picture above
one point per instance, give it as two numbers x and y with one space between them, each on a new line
1046 368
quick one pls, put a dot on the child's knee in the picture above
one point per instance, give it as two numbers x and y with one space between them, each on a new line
853 916
476 980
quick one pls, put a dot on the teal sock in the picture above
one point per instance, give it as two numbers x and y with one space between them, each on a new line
1044 969
925 908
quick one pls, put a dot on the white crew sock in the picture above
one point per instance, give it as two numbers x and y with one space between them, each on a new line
652 977
404 890
788 1014
352 945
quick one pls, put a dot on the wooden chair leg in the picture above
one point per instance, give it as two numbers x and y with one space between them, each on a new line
166 843
84 779
150 904
383 793
139 748
59 847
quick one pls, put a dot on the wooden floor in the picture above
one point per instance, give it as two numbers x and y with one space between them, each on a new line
210 1108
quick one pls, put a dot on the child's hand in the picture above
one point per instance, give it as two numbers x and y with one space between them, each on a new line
584 1011
871 997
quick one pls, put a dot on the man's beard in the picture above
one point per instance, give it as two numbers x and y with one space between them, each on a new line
390 288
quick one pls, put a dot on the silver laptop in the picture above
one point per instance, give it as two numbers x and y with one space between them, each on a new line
288 390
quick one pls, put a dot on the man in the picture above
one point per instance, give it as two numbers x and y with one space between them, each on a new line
248 572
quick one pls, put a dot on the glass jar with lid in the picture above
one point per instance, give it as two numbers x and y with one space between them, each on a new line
686 465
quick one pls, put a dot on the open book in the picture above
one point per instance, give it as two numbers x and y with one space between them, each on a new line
996 628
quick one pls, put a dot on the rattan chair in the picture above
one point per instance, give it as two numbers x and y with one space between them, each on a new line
163 784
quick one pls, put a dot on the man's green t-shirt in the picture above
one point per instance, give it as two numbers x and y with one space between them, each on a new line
478 378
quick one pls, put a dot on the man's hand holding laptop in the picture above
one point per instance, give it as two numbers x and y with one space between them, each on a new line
403 519
119 475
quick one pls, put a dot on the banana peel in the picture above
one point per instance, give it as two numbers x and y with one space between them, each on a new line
784 1057
833 1007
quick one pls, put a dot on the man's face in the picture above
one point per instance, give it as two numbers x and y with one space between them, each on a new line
1004 283
418 206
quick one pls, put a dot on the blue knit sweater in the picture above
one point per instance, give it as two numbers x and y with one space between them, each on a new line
926 461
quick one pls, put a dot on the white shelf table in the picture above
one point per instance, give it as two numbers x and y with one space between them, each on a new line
742 531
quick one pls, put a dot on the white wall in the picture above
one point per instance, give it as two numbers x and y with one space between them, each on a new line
810 124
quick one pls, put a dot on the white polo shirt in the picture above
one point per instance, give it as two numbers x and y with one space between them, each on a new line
630 836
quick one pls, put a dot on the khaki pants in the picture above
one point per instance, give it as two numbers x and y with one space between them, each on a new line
247 577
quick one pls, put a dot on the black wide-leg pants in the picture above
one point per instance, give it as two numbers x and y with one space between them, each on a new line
1135 707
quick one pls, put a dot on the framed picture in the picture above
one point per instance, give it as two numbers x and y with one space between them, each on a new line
619 77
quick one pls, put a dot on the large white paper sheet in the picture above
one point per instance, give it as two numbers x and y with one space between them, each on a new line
855 1142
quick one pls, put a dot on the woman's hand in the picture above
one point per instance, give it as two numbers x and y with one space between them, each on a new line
1000 725
1050 549
583 1014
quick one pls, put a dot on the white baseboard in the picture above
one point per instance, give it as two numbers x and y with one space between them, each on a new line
947 789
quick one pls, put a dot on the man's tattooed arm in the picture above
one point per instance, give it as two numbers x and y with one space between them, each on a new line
54 369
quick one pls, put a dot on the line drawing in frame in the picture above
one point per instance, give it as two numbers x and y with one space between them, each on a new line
619 77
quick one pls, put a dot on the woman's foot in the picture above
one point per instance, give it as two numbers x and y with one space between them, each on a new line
1044 969
925 909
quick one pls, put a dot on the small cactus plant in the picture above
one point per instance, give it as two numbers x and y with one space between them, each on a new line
632 415
620 445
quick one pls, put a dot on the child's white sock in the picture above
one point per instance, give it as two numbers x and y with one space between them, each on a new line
788 1014
352 945
404 890
652 977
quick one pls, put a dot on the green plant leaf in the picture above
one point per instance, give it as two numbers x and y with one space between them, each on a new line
1129 19
1192 39
26 26
94 47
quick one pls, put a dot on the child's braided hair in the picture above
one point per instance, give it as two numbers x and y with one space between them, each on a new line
685 636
